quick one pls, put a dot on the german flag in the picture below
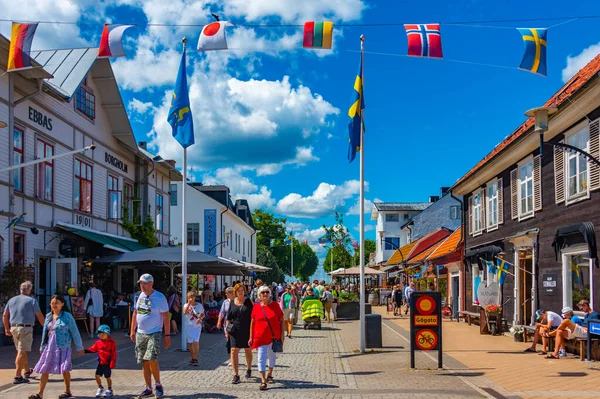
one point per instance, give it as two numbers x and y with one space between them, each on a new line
20 46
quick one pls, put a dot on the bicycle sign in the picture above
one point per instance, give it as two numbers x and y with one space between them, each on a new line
426 339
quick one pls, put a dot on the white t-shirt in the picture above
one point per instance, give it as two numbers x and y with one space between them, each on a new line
554 319
149 312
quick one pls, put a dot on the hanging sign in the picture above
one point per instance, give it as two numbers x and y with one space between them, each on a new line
487 295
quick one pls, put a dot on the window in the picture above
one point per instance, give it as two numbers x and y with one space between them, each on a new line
577 165
173 194
406 216
114 198
159 212
475 283
244 246
392 243
86 103
231 239
82 187
128 203
580 278
477 225
19 248
492 204
526 189
17 159
454 212
193 234
392 217
45 175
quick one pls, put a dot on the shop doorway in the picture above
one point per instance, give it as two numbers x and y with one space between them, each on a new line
455 288
43 284
63 275
525 284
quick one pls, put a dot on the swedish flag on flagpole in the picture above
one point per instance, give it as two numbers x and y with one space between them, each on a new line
180 115
288 239
15 221
355 114
503 270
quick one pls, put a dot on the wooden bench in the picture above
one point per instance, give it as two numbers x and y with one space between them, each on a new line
467 316
582 343
529 331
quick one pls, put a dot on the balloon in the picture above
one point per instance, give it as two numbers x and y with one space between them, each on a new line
71 291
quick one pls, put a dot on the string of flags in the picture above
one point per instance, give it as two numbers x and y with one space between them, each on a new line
424 40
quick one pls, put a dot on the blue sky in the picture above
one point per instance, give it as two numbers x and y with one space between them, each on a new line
271 117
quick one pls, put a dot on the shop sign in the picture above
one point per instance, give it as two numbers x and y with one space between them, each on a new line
210 231
487 295
40 119
82 220
67 248
114 161
425 324
549 283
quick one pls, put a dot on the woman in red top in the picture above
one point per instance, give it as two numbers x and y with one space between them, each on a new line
267 323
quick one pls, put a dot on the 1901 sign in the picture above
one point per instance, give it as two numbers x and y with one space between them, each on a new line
82 220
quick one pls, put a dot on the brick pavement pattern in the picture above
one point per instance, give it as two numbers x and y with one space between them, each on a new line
318 363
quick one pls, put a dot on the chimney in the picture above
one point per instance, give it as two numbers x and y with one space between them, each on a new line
444 191
143 145
433 198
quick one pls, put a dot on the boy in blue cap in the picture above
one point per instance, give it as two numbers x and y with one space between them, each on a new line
106 348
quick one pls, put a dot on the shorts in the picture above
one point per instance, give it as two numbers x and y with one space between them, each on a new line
23 338
103 370
327 306
579 332
147 346
288 314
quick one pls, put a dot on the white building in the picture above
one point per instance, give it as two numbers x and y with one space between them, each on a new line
392 230
72 205
215 224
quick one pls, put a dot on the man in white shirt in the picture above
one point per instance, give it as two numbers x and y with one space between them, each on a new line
150 317
547 321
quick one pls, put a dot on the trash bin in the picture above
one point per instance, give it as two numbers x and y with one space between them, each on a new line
373 331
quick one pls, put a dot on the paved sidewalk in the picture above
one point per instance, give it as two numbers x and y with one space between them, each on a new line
317 363
498 363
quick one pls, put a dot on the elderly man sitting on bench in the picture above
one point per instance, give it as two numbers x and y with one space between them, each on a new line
547 321
568 329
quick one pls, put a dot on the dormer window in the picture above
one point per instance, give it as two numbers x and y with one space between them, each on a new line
85 102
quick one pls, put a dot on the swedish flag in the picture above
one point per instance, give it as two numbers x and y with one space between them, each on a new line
180 115
288 239
355 114
534 57
15 221
503 269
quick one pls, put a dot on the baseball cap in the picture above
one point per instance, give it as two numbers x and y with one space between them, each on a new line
146 278
103 329
538 313
566 310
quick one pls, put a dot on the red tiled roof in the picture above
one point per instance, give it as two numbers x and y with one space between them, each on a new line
450 245
575 83
423 255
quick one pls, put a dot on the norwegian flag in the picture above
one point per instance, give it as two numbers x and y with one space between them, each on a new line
424 40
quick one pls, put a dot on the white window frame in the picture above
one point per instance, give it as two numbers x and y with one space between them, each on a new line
583 195
477 207
193 229
390 216
521 182
490 207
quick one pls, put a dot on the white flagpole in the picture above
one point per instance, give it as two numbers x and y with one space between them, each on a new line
362 202
184 241
292 273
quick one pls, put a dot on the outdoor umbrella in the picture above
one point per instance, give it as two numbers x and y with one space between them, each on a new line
354 271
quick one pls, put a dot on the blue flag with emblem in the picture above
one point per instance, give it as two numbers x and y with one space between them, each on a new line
180 115
503 270
355 114
534 58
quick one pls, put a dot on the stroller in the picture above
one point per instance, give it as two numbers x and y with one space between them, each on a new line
210 321
312 313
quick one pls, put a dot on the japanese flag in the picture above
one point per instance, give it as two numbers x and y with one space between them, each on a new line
213 36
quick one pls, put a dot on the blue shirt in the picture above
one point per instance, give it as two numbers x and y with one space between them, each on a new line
577 320
593 315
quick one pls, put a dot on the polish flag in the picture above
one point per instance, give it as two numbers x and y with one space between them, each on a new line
111 43
213 36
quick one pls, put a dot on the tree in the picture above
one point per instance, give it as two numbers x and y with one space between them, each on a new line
340 242
13 274
264 257
370 246
309 261
270 227
144 232
341 258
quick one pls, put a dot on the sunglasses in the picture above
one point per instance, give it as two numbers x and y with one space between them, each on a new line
264 293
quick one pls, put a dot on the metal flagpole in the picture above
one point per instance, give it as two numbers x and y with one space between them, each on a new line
183 240
362 200
292 258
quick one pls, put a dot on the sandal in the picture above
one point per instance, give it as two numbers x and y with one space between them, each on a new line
270 379
263 386
529 350
542 353
35 396
551 356
65 395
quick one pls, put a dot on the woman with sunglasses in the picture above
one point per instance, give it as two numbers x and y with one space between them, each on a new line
237 330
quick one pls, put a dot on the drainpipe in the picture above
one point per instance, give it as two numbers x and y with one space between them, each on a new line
462 276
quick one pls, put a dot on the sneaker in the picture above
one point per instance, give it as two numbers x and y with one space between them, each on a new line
20 380
99 392
146 393
248 373
562 353
236 379
159 391
108 393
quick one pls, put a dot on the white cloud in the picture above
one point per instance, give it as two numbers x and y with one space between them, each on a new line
355 209
312 236
574 64
240 187
368 227
138 106
295 226
294 10
324 201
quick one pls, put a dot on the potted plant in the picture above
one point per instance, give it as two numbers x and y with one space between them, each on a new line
349 308
517 333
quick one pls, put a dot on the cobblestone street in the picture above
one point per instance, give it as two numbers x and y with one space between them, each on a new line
321 364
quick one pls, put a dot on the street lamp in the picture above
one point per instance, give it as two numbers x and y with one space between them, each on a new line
540 116
3 124
227 234
391 243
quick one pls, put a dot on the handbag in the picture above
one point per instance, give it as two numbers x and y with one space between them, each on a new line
277 345
230 328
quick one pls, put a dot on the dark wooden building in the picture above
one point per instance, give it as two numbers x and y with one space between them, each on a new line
540 213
